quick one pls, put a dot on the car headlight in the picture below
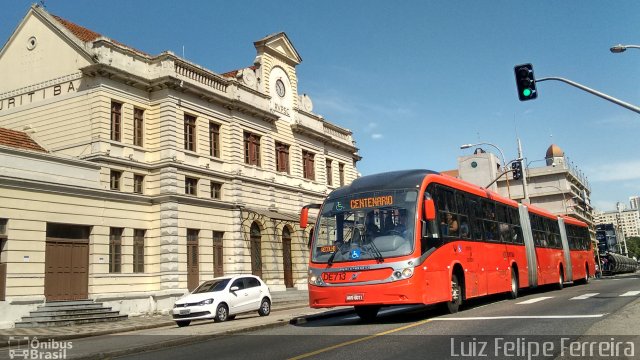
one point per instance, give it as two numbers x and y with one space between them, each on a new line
205 302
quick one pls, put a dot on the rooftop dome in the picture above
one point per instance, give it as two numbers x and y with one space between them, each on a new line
554 151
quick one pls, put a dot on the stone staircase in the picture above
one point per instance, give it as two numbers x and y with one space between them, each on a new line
64 313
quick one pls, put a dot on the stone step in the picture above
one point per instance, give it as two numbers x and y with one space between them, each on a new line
69 308
69 303
52 323
79 315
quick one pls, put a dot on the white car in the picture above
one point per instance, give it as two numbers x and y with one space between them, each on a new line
222 299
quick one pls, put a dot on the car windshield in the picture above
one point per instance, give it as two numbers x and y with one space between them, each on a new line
213 285
365 226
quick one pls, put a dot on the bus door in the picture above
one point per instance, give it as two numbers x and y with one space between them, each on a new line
532 262
568 269
495 262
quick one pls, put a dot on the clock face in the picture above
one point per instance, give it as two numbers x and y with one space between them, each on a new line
280 88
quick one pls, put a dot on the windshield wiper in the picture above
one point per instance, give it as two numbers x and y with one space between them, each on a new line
376 253
333 255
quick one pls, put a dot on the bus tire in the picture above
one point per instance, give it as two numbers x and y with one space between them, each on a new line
585 279
515 284
560 284
456 295
367 313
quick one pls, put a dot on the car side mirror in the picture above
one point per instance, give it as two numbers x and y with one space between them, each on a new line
234 289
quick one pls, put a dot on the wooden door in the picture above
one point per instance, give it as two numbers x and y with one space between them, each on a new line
193 268
286 258
218 256
256 250
66 269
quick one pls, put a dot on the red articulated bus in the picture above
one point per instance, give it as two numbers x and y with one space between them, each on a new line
420 237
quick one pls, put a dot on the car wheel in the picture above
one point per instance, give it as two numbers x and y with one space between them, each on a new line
367 313
222 313
265 307
514 284
183 323
456 296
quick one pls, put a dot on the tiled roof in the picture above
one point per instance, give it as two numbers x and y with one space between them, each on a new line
82 33
87 35
233 73
453 173
18 139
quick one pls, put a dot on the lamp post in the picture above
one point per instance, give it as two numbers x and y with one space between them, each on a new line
504 162
616 49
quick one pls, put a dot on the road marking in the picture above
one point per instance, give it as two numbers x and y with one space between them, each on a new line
534 300
521 317
584 296
346 343
631 293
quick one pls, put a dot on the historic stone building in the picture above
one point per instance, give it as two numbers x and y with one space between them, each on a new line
155 173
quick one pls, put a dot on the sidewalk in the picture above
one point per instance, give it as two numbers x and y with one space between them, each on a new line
102 341
104 328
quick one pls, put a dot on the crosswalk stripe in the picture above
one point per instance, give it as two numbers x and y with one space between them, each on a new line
534 300
631 293
584 296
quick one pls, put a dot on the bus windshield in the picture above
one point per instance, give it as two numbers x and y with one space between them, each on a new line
365 226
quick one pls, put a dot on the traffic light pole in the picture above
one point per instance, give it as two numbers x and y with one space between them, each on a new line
525 192
594 92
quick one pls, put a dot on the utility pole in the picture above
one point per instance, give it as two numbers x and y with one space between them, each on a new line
525 192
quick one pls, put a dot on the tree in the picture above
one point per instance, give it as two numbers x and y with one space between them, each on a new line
633 245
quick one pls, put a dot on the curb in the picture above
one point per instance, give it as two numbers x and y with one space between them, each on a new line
168 323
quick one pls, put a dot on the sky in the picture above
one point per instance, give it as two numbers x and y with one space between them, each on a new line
414 80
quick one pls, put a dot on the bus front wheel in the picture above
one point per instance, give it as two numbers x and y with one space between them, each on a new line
367 313
456 295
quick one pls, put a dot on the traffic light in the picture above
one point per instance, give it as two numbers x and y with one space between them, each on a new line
526 82
516 166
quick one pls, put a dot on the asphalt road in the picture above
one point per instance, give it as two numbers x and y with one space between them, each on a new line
575 322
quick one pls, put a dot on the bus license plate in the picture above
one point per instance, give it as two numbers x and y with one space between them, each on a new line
354 297
334 276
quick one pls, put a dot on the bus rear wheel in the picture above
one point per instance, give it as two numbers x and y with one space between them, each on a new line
560 283
513 294
367 313
456 295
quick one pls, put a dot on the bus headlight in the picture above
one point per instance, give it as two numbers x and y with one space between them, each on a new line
315 279
407 272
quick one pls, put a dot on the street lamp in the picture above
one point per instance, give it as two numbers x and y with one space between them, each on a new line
504 162
616 49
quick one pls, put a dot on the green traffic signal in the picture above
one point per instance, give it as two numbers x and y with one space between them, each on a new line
526 82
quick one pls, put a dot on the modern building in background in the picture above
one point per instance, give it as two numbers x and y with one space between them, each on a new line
146 174
557 186
634 202
626 220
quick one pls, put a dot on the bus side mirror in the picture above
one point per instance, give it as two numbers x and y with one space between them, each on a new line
429 209
304 217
